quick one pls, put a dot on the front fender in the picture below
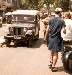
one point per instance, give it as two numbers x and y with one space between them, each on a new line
68 54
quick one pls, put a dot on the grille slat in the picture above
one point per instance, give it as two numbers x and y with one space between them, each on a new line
18 31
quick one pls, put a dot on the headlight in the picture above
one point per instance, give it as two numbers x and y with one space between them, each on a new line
11 28
7 31
29 32
34 30
25 29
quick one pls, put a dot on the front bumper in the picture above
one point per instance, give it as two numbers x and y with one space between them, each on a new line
18 37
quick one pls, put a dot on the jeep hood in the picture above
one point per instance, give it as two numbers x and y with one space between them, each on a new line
28 25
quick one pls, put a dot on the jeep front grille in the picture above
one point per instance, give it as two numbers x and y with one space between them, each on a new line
18 31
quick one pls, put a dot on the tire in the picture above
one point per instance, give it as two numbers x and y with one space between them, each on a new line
15 43
70 63
31 42
7 42
67 63
37 37
0 25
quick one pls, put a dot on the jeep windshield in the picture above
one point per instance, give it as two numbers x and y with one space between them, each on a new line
23 18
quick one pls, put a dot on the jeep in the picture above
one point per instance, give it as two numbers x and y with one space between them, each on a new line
25 26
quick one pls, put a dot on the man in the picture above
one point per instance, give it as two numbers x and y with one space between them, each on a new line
68 23
45 25
55 25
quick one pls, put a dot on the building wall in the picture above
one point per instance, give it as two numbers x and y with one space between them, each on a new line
10 4
6 1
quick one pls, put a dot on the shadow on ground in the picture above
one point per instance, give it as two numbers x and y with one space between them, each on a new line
62 69
37 44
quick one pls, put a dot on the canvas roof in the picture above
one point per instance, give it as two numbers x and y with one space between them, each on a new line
8 13
26 12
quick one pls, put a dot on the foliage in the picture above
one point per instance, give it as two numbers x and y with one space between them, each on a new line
65 5
32 4
38 4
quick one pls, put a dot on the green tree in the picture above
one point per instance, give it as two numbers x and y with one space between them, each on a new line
32 4
65 5
38 4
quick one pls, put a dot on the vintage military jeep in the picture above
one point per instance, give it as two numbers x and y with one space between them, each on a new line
25 27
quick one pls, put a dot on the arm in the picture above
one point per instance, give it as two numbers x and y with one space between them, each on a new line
64 30
63 27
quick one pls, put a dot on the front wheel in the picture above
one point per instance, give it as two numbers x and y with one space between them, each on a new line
0 25
31 42
67 62
37 36
70 63
7 42
15 43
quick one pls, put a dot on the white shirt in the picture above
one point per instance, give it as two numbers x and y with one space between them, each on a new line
68 35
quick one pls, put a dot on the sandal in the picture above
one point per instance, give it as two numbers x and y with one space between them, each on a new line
44 41
54 69
50 65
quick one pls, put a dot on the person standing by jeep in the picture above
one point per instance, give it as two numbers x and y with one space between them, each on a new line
45 25
68 23
55 45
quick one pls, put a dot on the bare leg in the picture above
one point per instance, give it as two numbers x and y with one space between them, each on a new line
51 59
51 56
55 57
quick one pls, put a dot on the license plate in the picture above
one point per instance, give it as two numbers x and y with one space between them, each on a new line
17 37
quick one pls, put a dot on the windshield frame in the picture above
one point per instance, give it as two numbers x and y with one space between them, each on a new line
23 18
